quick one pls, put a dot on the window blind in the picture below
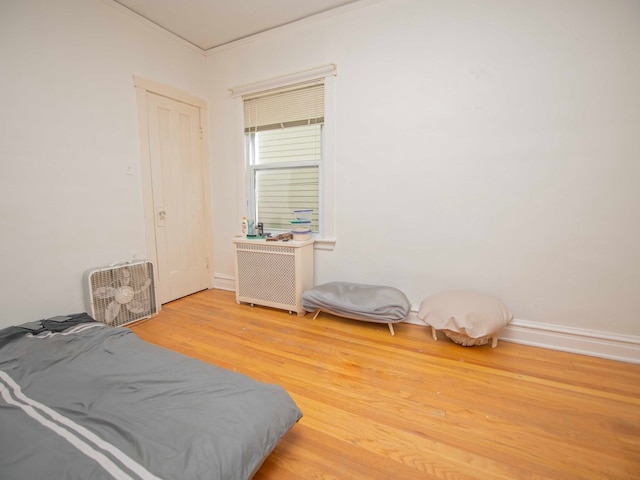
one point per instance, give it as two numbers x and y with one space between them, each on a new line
295 144
281 191
296 105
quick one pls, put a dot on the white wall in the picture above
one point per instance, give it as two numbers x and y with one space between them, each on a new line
68 131
502 155
492 146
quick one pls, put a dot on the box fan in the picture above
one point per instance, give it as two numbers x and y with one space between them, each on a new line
121 293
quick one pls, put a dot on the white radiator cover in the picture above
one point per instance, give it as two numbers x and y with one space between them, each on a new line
273 274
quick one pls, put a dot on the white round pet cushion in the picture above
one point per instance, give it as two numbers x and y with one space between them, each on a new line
467 318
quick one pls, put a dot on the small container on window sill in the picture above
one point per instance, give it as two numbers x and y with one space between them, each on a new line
300 226
301 235
303 214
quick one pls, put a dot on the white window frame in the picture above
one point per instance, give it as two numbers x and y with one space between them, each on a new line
325 239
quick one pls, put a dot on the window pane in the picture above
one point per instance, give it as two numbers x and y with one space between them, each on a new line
280 191
295 144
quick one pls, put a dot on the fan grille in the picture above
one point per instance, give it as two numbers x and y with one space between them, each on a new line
123 294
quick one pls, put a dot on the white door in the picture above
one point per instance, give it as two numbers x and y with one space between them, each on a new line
178 191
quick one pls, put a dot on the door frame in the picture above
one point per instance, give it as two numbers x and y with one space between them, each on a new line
142 87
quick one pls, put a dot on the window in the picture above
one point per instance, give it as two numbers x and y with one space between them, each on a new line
283 131
277 181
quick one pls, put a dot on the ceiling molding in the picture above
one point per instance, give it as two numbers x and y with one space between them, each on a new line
357 5
154 26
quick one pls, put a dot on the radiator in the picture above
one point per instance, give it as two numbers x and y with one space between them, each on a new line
273 274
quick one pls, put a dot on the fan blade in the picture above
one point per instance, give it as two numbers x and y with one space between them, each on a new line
112 311
104 292
138 306
145 286
125 276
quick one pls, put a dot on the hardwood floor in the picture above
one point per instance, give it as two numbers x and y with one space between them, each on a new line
408 407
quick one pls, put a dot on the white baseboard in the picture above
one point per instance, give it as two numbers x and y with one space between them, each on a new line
624 348
224 282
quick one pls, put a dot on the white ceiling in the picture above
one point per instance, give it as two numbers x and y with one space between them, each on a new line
211 23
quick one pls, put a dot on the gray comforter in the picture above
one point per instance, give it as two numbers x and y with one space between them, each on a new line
91 402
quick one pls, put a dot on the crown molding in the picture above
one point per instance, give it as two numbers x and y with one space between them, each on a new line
357 5
152 25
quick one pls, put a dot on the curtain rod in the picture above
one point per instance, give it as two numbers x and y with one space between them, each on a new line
303 75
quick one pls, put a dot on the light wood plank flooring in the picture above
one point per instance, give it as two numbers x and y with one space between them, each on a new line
408 407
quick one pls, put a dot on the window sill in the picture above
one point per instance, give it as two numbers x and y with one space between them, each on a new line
324 244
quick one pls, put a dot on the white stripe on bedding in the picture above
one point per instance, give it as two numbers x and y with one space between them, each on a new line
31 407
69 331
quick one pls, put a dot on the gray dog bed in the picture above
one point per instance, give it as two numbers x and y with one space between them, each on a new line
369 303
